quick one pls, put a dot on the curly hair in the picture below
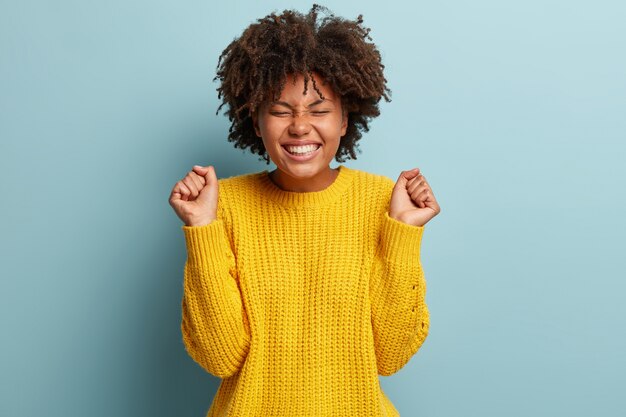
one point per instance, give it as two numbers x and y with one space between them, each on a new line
253 69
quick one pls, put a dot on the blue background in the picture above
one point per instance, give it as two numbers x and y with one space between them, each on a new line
515 112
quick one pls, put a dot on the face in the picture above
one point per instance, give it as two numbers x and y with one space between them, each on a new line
301 133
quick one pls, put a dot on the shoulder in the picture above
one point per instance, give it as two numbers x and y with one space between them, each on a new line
231 189
377 183
228 184
371 190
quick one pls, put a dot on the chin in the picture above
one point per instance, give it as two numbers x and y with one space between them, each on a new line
301 171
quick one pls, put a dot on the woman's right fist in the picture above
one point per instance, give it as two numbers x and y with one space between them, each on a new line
194 198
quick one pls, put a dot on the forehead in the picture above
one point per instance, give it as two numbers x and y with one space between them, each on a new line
294 88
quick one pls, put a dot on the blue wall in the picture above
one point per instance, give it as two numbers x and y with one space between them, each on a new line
515 111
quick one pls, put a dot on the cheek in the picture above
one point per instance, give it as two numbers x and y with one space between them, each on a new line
270 135
333 129
265 129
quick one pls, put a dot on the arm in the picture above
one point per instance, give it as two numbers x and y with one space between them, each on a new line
400 317
214 324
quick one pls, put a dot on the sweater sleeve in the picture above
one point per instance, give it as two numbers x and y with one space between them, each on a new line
400 317
214 326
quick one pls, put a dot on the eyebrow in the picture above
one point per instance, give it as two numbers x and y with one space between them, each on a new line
315 103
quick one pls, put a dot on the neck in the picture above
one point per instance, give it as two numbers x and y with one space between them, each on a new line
318 182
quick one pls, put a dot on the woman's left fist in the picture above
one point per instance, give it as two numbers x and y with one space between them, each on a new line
412 199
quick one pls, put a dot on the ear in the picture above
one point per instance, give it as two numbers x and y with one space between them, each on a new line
255 123
344 122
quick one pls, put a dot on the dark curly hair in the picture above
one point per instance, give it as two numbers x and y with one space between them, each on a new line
253 69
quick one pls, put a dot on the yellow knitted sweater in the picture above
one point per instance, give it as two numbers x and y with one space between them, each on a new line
298 301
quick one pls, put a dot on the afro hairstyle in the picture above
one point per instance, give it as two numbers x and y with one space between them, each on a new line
253 69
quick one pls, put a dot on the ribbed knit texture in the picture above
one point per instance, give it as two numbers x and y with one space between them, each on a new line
298 301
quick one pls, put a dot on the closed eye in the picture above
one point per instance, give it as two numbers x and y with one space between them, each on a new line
280 113
288 114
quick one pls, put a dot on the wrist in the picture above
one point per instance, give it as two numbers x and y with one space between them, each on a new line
407 220
199 222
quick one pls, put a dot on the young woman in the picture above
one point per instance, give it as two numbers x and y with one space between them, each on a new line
302 284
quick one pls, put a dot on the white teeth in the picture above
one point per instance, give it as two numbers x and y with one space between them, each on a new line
301 150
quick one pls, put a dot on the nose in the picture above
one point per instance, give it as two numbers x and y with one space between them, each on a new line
299 125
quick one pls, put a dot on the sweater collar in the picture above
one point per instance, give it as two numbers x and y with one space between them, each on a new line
314 198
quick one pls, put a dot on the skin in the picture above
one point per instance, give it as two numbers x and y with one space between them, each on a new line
299 117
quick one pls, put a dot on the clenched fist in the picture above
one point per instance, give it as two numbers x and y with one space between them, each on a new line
194 198
412 200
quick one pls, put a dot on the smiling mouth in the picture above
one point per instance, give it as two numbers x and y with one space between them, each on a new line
301 150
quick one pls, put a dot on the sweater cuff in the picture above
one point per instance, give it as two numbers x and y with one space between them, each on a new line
401 241
206 243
